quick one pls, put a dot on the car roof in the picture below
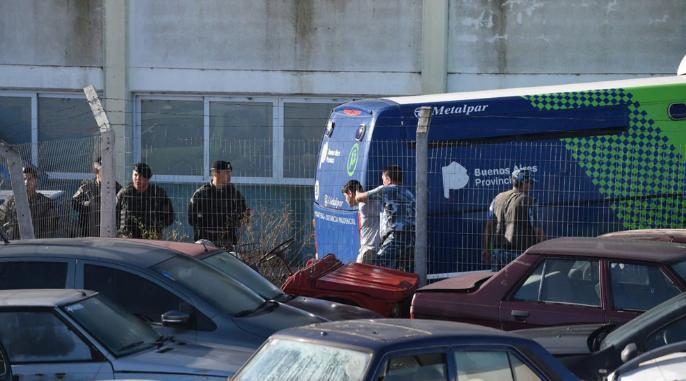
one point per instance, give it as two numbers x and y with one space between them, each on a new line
42 297
377 334
638 250
665 235
138 252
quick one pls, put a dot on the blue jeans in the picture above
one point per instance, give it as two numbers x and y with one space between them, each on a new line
396 251
501 258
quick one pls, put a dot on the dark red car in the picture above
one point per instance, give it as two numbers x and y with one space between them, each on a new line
379 289
561 281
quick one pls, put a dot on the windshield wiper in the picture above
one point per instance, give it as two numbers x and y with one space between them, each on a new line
271 304
162 339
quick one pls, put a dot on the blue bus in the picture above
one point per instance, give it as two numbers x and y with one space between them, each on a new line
607 156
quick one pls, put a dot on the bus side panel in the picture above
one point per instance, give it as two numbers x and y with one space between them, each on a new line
337 233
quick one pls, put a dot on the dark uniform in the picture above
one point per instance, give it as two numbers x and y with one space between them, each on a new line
43 216
144 214
86 202
216 214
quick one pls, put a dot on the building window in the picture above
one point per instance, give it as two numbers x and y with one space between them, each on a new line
172 136
268 140
303 125
65 127
15 123
242 133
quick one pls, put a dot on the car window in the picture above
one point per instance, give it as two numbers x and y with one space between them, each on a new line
294 360
492 366
235 268
680 268
424 366
30 274
669 334
224 293
639 286
562 281
140 296
40 336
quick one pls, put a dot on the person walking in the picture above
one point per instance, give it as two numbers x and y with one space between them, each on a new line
368 217
512 224
144 208
217 210
86 202
396 220
43 212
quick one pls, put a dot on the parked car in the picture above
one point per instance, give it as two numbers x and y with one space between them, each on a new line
77 334
379 289
593 351
232 266
399 350
667 363
149 279
559 282
665 235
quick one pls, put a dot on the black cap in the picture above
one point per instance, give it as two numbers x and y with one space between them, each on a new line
221 165
143 170
30 169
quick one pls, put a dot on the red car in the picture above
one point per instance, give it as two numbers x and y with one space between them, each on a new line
379 289
559 282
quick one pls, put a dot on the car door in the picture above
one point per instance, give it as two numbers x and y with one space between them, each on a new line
41 346
143 297
36 272
558 291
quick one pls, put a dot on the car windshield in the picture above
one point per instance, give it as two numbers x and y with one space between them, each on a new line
119 331
222 292
230 265
680 268
623 333
290 360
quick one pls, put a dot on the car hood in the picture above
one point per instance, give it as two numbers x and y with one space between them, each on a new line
185 358
562 340
266 322
331 310
464 281
374 281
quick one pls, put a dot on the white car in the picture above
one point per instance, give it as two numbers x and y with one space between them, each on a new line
77 334
666 363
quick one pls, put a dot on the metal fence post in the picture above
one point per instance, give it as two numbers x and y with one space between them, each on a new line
21 198
422 206
107 187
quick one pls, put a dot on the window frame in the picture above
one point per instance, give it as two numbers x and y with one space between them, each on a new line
278 135
377 368
34 96
509 349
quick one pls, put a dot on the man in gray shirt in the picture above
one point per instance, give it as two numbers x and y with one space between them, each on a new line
368 213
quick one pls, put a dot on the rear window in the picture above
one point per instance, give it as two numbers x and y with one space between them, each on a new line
18 275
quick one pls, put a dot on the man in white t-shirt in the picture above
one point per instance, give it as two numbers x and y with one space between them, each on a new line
368 221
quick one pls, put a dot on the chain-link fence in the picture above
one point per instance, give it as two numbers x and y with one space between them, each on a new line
582 187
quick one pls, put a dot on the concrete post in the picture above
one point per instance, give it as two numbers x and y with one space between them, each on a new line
21 198
434 46
422 206
107 185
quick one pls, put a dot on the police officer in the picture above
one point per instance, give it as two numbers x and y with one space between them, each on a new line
43 214
512 224
86 202
145 208
216 210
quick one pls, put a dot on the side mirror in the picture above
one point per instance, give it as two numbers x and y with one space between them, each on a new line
629 352
175 318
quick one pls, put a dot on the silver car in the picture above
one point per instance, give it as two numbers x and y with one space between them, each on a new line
179 295
77 335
